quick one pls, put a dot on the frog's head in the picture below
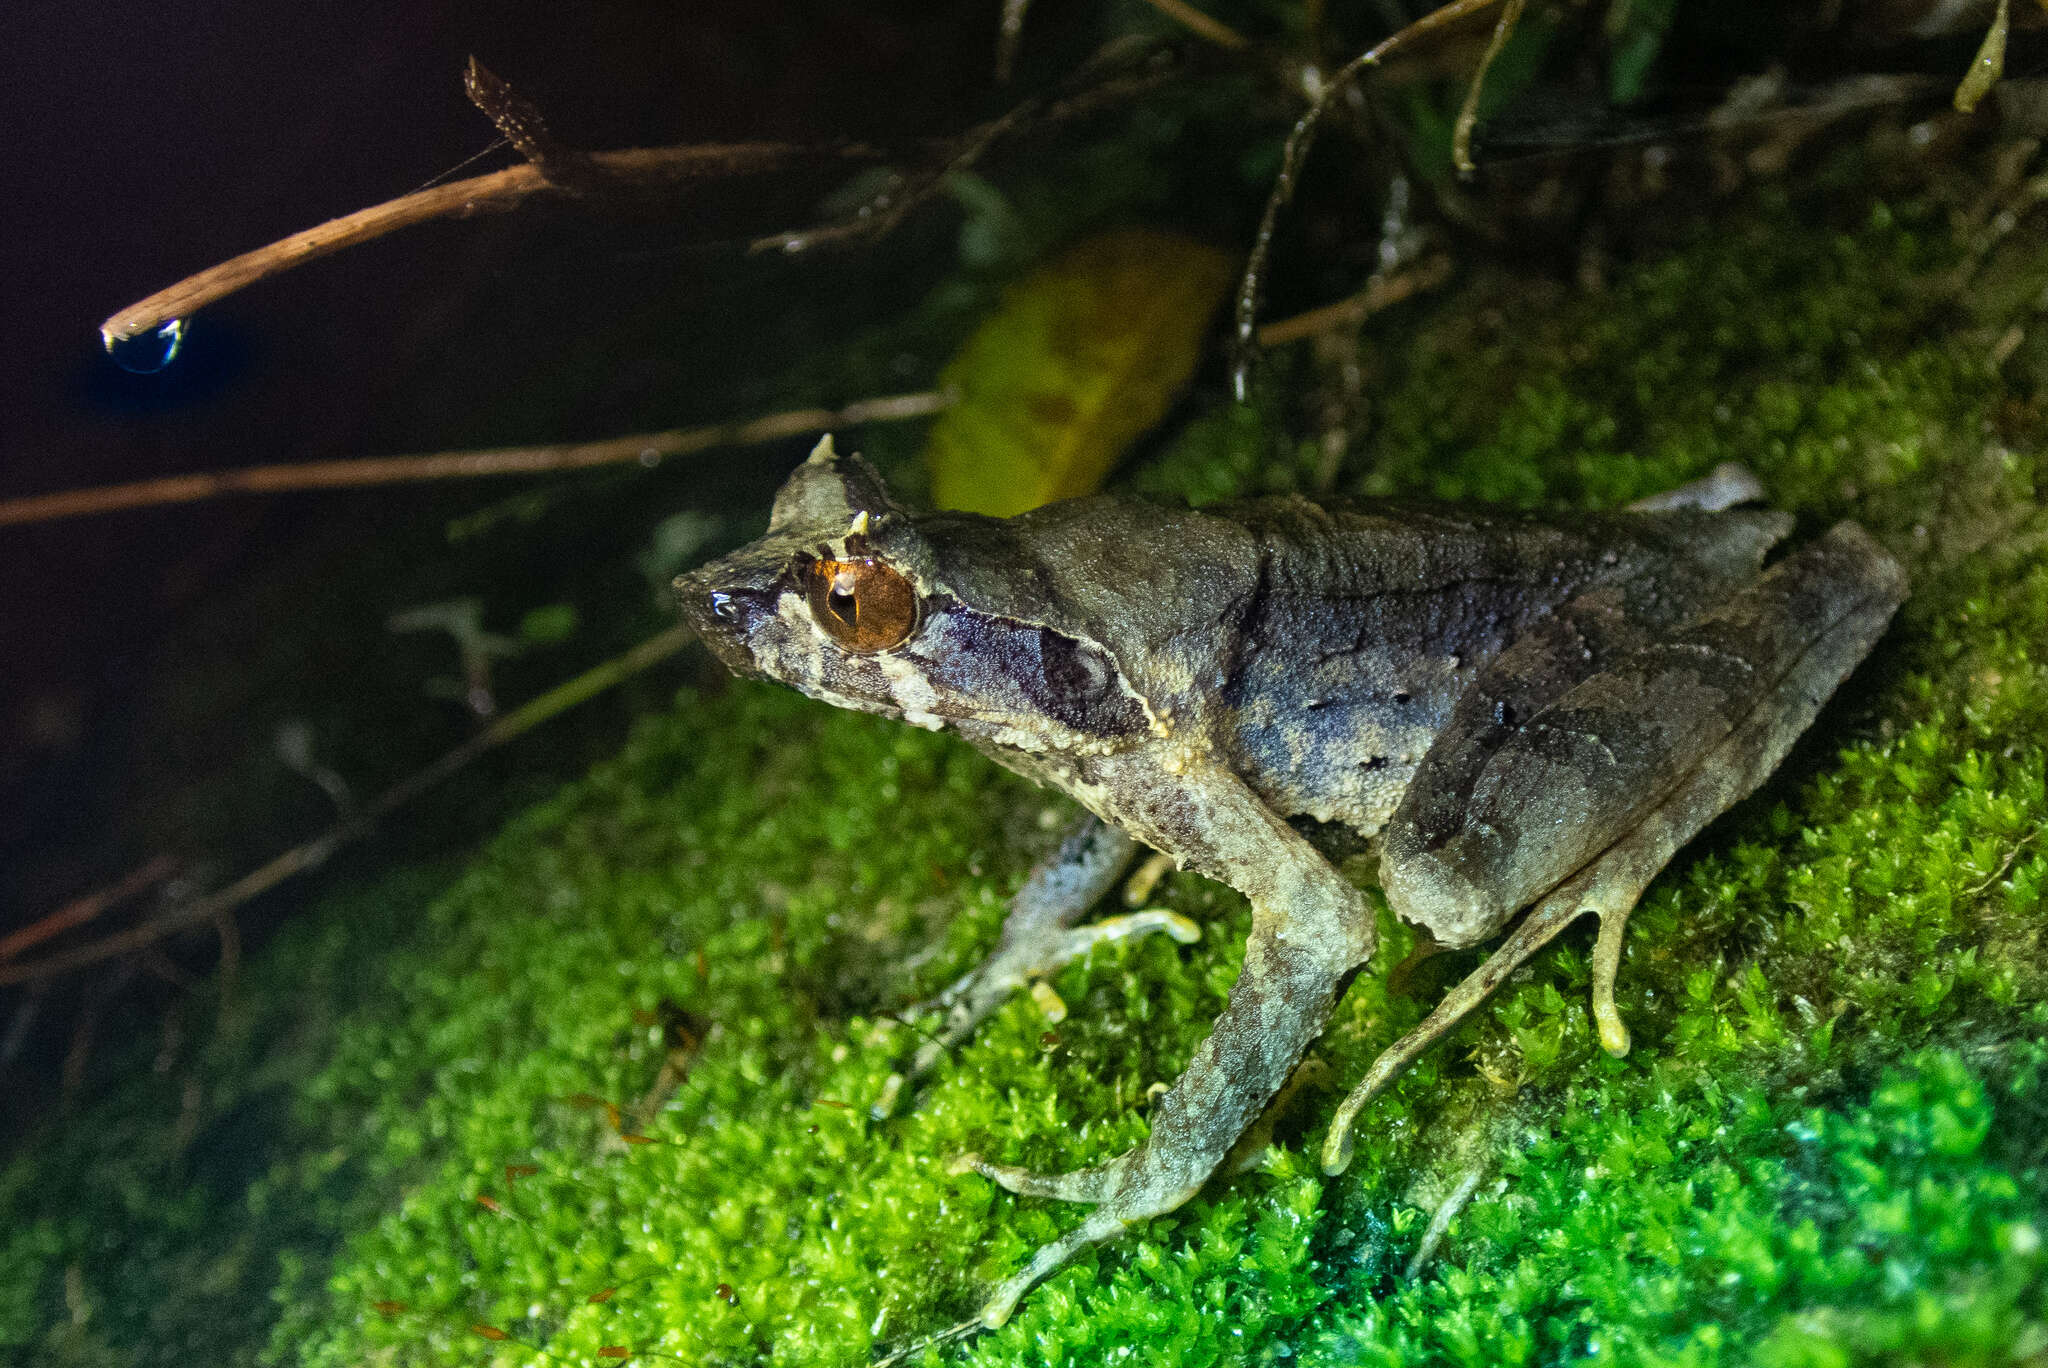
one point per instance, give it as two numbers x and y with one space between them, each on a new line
846 599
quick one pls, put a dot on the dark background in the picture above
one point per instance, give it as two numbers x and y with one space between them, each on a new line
147 657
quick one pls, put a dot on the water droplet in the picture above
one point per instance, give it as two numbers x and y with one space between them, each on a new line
148 352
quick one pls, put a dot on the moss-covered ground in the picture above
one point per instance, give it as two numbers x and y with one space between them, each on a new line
1829 1145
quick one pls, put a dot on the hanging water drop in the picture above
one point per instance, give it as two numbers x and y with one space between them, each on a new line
149 352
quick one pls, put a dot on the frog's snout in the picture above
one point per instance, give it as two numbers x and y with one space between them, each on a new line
725 618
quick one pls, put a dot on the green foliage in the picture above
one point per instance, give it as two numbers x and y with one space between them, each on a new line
1703 1224
1829 1146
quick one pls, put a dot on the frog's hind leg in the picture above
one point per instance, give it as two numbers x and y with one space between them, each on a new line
1039 936
1633 763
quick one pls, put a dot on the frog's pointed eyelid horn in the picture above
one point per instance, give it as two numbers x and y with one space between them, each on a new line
829 491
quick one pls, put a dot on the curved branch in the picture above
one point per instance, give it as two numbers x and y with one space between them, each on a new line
648 448
636 169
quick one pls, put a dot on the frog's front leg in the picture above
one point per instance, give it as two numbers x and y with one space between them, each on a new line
1581 805
1310 930
1039 936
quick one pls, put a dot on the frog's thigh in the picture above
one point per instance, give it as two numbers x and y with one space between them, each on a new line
1310 930
1808 622
1583 772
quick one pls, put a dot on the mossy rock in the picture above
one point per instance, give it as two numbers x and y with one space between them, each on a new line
1829 1145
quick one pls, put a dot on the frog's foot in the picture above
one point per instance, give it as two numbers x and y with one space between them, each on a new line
1281 999
1537 930
1149 1181
1608 889
1027 961
1100 1226
1038 938
1091 1185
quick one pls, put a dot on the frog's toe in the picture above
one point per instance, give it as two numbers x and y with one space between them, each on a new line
1093 1185
1133 1187
1100 1226
974 997
1131 926
1606 963
1537 930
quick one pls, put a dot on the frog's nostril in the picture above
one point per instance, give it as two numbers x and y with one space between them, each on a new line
724 607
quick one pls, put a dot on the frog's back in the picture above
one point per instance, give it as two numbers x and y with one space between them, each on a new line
1367 622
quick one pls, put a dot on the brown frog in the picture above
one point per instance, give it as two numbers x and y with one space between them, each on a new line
1522 712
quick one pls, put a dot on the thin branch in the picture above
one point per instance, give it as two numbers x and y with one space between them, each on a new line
884 212
1009 36
1468 112
1440 1221
646 448
1381 292
316 852
83 909
641 170
917 1346
1200 24
1299 140
2005 865
1119 71
1989 63
638 169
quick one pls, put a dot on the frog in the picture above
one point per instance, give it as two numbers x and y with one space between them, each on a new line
1525 716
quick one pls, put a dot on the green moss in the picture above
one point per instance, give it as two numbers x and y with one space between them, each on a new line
1827 1147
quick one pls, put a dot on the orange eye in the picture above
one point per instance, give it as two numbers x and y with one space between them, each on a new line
862 604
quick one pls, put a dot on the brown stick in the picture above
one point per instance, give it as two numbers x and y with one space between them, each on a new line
316 852
1213 29
638 168
83 909
1468 112
1382 292
645 447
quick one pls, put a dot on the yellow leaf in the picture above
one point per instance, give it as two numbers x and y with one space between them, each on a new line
1085 353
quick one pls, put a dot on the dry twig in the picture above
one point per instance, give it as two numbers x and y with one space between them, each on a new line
1468 112
1381 292
1121 70
639 168
558 171
83 909
648 448
1200 24
1440 1221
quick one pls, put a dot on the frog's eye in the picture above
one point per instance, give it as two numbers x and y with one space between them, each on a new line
862 604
